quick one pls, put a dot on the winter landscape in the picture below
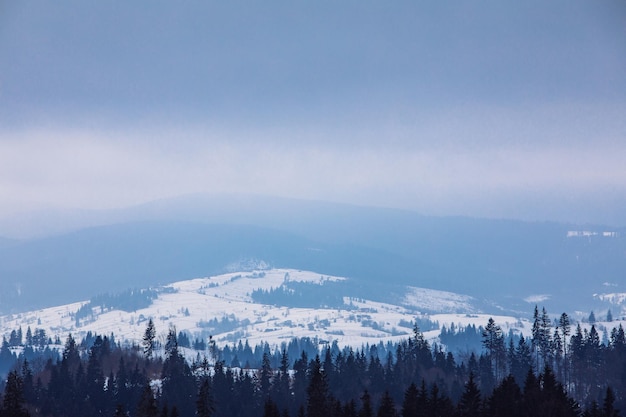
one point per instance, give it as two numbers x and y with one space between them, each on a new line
318 209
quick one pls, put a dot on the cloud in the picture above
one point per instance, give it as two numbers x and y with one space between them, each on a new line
111 168
506 110
284 60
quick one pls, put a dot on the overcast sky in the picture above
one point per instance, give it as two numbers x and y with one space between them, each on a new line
493 109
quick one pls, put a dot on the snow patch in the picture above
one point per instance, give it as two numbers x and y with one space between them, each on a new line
247 265
222 307
616 298
438 301
537 298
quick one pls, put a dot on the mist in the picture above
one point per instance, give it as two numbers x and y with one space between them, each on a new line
511 111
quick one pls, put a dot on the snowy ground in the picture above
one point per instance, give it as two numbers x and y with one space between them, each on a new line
190 305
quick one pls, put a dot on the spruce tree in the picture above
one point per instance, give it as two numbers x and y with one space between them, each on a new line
506 399
493 341
179 386
592 318
387 407
470 403
13 401
410 406
545 340
317 392
265 377
147 404
608 406
204 403
366 408
148 339
270 409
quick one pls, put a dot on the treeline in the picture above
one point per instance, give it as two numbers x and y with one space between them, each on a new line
129 300
298 294
350 385
112 381
459 339
554 371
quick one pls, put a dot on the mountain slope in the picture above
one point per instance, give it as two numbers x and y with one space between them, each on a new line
503 260
65 268
228 308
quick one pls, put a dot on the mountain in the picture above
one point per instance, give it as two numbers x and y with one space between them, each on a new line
512 263
261 305
71 267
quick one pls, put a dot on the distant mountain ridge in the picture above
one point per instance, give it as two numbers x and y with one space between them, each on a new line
502 260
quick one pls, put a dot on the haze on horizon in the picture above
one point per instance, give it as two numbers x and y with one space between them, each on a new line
503 109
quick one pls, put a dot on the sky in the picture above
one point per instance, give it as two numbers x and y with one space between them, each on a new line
489 109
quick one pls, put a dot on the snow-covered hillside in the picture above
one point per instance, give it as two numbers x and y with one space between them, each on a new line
224 307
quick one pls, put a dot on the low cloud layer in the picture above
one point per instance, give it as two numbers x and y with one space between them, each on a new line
507 110
521 179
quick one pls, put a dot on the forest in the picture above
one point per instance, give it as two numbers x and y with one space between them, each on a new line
558 370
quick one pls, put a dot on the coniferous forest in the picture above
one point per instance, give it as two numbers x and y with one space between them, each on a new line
557 371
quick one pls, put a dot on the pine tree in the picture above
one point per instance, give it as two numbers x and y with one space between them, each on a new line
29 337
493 341
148 339
13 401
608 407
410 406
506 399
486 374
553 399
265 377
545 340
366 409
147 404
609 316
531 398
300 380
592 318
593 356
470 403
618 339
349 409
565 327
179 386
28 383
281 386
536 335
439 404
94 378
270 409
317 392
70 352
204 403
421 349
387 407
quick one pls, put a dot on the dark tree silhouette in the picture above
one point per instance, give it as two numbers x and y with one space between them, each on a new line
204 404
471 403
13 401
366 409
318 404
148 339
387 407
147 404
